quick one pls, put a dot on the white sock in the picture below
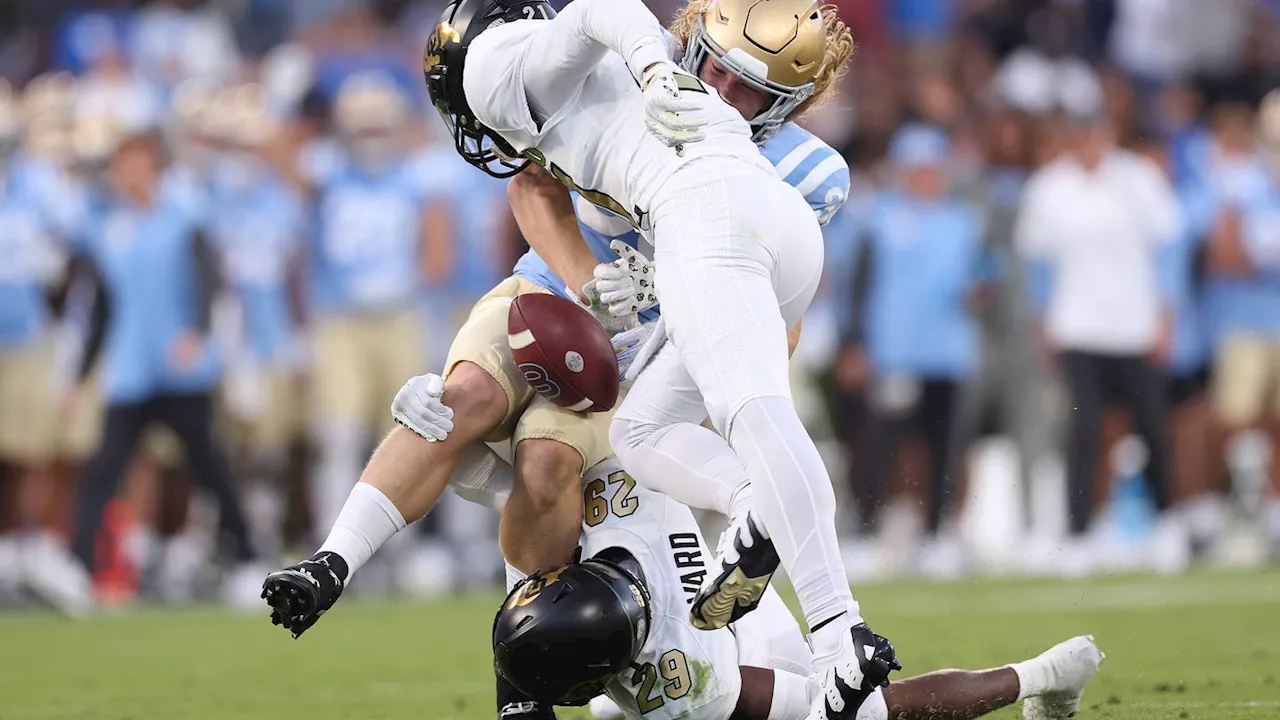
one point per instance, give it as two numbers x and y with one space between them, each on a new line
792 695
1034 677
367 521
686 462
514 576
795 501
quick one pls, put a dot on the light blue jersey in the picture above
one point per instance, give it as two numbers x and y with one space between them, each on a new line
800 158
1247 305
256 229
478 204
24 249
365 254
1176 272
926 256
148 263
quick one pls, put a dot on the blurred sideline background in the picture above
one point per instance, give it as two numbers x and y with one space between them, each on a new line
263 191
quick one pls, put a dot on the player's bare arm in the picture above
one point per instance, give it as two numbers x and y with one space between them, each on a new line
543 209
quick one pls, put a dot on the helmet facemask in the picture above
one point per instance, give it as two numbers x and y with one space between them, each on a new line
479 147
780 100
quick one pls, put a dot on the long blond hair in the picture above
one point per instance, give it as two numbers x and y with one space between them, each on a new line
835 61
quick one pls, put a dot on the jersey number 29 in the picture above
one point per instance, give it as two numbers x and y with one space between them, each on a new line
673 667
596 508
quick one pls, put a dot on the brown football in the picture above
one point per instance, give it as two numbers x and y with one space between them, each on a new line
564 352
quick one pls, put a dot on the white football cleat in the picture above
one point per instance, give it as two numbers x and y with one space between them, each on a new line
1070 665
602 708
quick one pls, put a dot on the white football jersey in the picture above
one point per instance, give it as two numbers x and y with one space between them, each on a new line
682 672
592 135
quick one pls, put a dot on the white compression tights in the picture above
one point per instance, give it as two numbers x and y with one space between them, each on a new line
738 259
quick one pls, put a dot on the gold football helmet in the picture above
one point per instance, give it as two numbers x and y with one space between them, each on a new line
791 50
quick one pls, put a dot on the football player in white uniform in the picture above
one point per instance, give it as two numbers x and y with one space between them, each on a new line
617 623
408 473
593 97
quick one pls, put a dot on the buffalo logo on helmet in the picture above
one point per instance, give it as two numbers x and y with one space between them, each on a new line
534 586
442 34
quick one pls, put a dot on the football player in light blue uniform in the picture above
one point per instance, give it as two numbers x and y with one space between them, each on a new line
373 249
36 437
256 233
28 407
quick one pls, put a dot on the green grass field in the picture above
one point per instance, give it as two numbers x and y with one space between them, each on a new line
1205 646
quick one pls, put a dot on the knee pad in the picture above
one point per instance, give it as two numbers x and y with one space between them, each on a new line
480 478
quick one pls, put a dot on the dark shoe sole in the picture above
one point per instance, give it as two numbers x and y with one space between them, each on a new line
292 599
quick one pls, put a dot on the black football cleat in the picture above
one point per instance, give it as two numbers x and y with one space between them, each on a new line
300 594
744 563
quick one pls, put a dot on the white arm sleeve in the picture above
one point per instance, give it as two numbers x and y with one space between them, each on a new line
563 53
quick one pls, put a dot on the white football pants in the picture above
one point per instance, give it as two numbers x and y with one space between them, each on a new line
739 256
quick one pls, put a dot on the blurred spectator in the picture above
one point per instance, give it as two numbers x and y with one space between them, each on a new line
1244 286
257 231
1093 221
1181 271
111 89
159 362
356 44
920 342
174 40
379 239
29 406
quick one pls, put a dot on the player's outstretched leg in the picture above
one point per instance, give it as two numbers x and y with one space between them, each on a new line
402 482
1050 686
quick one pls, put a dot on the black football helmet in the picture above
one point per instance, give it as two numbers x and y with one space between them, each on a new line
442 65
562 636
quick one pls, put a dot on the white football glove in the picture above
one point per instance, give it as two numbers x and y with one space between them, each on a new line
672 115
589 299
625 285
419 406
